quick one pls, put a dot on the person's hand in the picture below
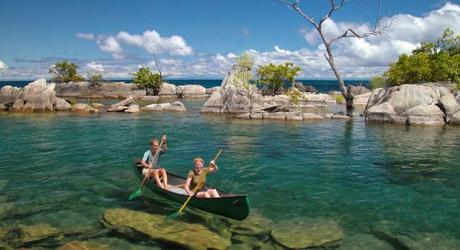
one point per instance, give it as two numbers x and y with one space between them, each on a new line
212 162
163 138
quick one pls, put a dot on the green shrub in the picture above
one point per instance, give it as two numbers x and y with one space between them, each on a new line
437 62
65 71
295 95
377 82
147 80
276 77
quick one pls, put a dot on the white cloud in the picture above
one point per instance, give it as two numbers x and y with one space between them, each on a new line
150 41
111 45
3 65
86 36
93 66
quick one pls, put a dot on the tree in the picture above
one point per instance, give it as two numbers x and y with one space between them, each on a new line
328 43
144 78
65 71
275 77
431 62
95 78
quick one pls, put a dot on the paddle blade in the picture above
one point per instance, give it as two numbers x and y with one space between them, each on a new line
173 215
135 194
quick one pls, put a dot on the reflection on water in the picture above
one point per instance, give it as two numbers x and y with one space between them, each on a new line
66 170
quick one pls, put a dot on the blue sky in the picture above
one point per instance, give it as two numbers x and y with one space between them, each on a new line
200 38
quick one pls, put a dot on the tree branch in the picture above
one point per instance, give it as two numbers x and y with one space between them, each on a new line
333 8
295 6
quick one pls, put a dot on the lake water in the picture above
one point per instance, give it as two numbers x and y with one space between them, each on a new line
67 169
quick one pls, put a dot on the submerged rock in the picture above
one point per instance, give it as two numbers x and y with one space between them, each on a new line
307 232
364 242
255 224
82 245
31 235
402 238
155 227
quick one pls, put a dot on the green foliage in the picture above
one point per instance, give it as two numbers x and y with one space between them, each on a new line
435 62
65 71
243 76
339 99
377 82
145 79
295 95
95 78
275 77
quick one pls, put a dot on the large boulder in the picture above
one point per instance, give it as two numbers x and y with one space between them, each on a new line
38 96
412 105
154 227
359 90
424 115
192 91
9 93
213 104
168 90
61 104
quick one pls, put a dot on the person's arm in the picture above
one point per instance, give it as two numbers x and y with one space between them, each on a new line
187 186
164 148
213 166
144 160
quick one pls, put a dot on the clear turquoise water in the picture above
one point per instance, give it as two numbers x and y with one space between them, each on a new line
67 169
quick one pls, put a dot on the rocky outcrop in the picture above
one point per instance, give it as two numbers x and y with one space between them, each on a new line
412 105
154 227
176 106
110 90
290 116
233 97
359 90
362 99
35 96
133 108
210 91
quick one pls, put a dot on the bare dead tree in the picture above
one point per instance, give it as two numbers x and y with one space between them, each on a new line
157 65
378 29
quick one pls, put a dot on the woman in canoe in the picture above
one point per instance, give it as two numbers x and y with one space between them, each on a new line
193 178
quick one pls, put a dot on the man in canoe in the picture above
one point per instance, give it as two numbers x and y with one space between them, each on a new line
193 178
147 162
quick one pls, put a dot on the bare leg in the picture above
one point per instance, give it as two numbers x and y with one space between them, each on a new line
156 178
203 195
165 177
213 193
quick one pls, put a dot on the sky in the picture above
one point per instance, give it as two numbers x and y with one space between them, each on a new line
201 38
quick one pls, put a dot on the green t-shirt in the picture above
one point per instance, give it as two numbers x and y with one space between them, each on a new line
196 177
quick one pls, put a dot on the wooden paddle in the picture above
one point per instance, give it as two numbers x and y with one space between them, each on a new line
138 192
197 188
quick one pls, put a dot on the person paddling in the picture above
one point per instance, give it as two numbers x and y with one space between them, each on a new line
147 162
193 178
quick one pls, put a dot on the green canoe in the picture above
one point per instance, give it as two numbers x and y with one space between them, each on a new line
228 205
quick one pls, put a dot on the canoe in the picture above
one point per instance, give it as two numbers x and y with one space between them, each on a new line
229 205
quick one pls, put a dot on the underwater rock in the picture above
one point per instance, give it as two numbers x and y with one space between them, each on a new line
6 209
82 245
403 238
307 232
155 227
30 235
364 242
255 224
